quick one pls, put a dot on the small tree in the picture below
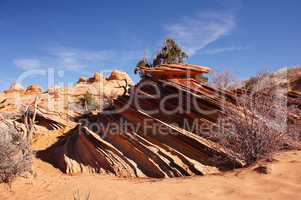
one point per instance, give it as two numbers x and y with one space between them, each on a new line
142 63
170 53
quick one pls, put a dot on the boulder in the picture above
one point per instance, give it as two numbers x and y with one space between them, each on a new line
119 75
15 87
98 77
34 89
82 79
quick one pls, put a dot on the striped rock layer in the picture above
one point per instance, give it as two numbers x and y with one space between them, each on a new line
127 140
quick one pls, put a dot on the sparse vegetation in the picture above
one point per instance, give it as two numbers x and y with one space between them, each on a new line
89 102
15 153
223 80
170 53
260 129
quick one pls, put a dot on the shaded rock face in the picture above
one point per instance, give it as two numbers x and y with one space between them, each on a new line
127 140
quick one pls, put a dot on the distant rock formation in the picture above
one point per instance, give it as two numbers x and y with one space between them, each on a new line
15 87
34 89
98 77
82 79
119 75
62 99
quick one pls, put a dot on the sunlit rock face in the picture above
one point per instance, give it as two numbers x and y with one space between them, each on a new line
127 141
34 89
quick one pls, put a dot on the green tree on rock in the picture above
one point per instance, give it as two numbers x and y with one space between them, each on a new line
170 53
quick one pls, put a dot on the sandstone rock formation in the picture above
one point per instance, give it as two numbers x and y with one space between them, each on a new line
60 99
34 89
98 77
119 76
82 79
128 141
15 87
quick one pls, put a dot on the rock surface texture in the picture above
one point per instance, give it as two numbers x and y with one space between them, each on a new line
161 127
127 140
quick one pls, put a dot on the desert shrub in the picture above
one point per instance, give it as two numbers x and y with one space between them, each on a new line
258 129
223 80
294 123
15 153
89 102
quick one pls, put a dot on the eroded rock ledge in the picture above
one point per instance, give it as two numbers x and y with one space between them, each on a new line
128 141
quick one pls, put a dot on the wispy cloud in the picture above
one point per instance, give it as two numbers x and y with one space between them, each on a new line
223 50
27 63
73 59
195 33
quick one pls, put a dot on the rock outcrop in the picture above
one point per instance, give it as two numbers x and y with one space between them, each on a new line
129 141
64 100
15 87
82 79
120 76
98 77
161 127
34 89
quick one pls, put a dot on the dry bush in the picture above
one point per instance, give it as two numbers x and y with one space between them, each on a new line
223 80
294 122
89 102
259 129
15 153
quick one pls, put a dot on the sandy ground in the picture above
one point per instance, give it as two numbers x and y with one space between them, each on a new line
283 182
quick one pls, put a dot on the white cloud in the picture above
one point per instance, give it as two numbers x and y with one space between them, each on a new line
223 50
72 58
195 33
77 59
77 55
66 58
27 63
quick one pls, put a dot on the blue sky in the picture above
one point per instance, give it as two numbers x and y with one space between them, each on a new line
81 37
